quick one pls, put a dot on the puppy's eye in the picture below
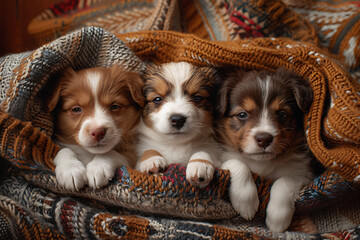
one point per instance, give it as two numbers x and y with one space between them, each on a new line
157 100
242 115
76 109
115 107
197 98
282 114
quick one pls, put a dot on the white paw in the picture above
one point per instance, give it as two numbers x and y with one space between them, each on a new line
99 173
71 175
243 192
153 164
244 198
279 216
199 173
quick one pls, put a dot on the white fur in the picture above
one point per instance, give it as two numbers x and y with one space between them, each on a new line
178 145
290 171
243 191
93 163
102 168
155 162
200 170
70 172
177 103
100 119
264 125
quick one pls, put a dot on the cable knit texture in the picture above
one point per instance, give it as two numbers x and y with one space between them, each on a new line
248 34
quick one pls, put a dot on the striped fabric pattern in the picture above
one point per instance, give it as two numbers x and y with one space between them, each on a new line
252 34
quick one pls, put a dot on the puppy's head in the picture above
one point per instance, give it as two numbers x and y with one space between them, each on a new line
260 113
179 100
96 107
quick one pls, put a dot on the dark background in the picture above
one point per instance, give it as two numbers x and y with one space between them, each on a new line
15 15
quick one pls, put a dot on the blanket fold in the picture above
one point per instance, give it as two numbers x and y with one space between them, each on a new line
137 205
26 142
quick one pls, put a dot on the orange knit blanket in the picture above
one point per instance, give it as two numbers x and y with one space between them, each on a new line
251 34
333 123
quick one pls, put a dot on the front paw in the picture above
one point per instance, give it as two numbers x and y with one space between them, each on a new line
244 198
153 164
99 173
71 175
279 216
200 172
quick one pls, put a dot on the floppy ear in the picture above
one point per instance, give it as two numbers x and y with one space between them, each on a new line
228 77
54 98
133 82
301 88
135 85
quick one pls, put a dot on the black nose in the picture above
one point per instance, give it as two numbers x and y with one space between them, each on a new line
263 139
177 120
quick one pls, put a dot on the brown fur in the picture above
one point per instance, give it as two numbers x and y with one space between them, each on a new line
240 92
201 84
117 87
148 154
202 161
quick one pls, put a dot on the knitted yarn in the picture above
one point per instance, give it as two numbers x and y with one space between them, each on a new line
153 204
326 123
26 124
136 205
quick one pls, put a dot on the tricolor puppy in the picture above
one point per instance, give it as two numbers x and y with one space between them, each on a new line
95 112
261 127
176 124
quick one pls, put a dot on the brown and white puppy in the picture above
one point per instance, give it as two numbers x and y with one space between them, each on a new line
261 127
96 110
176 124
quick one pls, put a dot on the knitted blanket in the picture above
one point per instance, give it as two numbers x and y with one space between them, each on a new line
137 205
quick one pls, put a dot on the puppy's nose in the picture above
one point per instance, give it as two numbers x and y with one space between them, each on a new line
263 139
98 133
177 120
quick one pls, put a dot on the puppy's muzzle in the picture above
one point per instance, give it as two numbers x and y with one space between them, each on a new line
263 139
177 120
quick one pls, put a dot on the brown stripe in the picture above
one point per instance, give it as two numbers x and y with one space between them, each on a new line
227 233
203 161
148 154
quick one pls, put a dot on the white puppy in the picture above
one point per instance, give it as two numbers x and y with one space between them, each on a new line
176 124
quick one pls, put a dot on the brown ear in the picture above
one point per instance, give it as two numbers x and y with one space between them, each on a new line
300 87
133 82
228 76
54 98
135 85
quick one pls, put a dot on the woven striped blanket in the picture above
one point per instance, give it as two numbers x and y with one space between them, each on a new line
140 206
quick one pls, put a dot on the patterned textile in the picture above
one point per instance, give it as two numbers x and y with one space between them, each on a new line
215 20
334 25
126 208
338 26
136 205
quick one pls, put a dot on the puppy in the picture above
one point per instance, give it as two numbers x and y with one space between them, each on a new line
176 123
261 126
95 112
